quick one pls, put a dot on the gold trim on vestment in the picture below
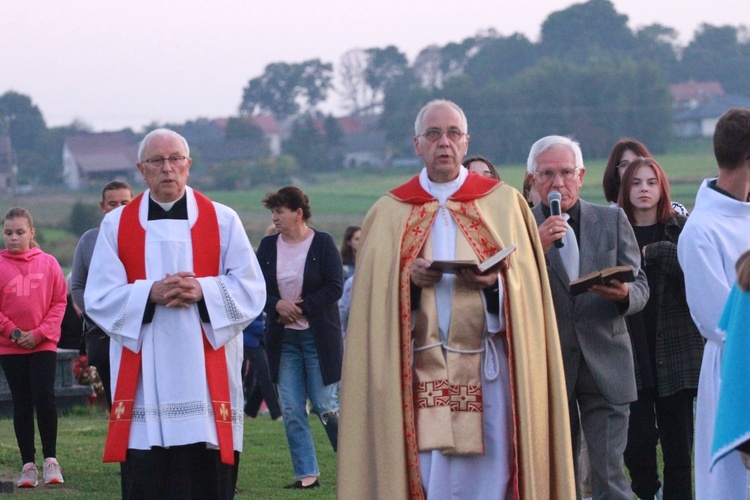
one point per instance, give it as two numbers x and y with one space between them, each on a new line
455 428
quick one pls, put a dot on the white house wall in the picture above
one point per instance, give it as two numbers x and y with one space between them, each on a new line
71 174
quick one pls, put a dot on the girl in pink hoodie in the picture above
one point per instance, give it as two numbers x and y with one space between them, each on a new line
32 304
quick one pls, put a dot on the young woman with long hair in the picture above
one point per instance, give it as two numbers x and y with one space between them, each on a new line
666 343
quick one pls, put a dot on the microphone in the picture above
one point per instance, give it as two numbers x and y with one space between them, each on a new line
554 198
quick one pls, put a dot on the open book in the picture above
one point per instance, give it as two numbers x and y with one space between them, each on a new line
453 266
623 274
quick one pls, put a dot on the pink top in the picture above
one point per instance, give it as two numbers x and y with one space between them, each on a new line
290 272
32 298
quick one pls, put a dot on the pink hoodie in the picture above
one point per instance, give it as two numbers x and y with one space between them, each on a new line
32 298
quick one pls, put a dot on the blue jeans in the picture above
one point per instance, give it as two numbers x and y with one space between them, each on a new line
299 379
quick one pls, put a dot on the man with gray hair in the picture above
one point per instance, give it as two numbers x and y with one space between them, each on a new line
452 383
594 339
173 281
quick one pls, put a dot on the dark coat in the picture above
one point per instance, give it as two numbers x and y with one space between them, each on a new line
679 344
322 286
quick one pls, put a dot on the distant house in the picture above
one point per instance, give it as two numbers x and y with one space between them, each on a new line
700 119
363 141
266 123
7 161
271 131
689 95
98 158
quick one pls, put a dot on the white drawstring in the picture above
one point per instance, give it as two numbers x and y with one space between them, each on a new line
491 362
463 351
425 347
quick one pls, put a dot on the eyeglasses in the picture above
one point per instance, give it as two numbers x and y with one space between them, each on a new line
434 134
548 175
158 162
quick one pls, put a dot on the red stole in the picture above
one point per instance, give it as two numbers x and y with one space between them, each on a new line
131 243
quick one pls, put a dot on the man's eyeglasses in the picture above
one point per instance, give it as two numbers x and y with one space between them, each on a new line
158 162
434 134
548 174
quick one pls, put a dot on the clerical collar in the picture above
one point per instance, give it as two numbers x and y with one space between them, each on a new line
175 210
574 212
442 190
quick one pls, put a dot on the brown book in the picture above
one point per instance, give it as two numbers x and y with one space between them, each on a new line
624 274
453 266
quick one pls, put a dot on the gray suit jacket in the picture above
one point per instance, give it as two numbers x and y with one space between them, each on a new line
591 326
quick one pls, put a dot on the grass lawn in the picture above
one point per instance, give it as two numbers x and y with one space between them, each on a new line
265 466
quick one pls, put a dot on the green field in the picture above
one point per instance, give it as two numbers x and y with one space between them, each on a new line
265 466
339 199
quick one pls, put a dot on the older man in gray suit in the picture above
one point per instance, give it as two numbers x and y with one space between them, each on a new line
594 340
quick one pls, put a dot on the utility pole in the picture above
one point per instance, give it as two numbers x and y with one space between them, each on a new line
12 167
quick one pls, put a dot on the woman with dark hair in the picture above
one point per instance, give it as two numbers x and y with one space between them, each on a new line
667 345
303 273
349 249
31 310
348 256
623 152
482 166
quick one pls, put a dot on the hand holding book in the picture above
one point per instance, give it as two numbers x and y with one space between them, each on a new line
623 274
491 263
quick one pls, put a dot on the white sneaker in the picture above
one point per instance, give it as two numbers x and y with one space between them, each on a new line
29 475
52 472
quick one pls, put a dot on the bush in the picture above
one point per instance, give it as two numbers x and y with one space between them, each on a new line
274 170
84 216
231 176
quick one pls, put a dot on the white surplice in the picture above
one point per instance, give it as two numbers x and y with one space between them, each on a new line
172 402
485 476
715 235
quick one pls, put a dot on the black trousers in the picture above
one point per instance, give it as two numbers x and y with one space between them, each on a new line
669 420
31 378
258 385
180 472
97 354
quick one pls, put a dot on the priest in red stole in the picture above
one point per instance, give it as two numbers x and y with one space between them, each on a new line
453 384
173 281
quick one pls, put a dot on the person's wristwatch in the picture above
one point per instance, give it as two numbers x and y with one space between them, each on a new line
15 335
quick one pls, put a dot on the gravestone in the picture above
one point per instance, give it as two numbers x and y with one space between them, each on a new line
67 391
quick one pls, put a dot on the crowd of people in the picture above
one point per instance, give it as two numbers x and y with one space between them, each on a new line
454 382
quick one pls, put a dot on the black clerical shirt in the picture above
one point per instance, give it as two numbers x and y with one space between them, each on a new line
177 212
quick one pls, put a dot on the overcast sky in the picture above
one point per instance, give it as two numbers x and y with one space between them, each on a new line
114 63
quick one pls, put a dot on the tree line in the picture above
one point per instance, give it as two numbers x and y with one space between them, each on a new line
589 75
